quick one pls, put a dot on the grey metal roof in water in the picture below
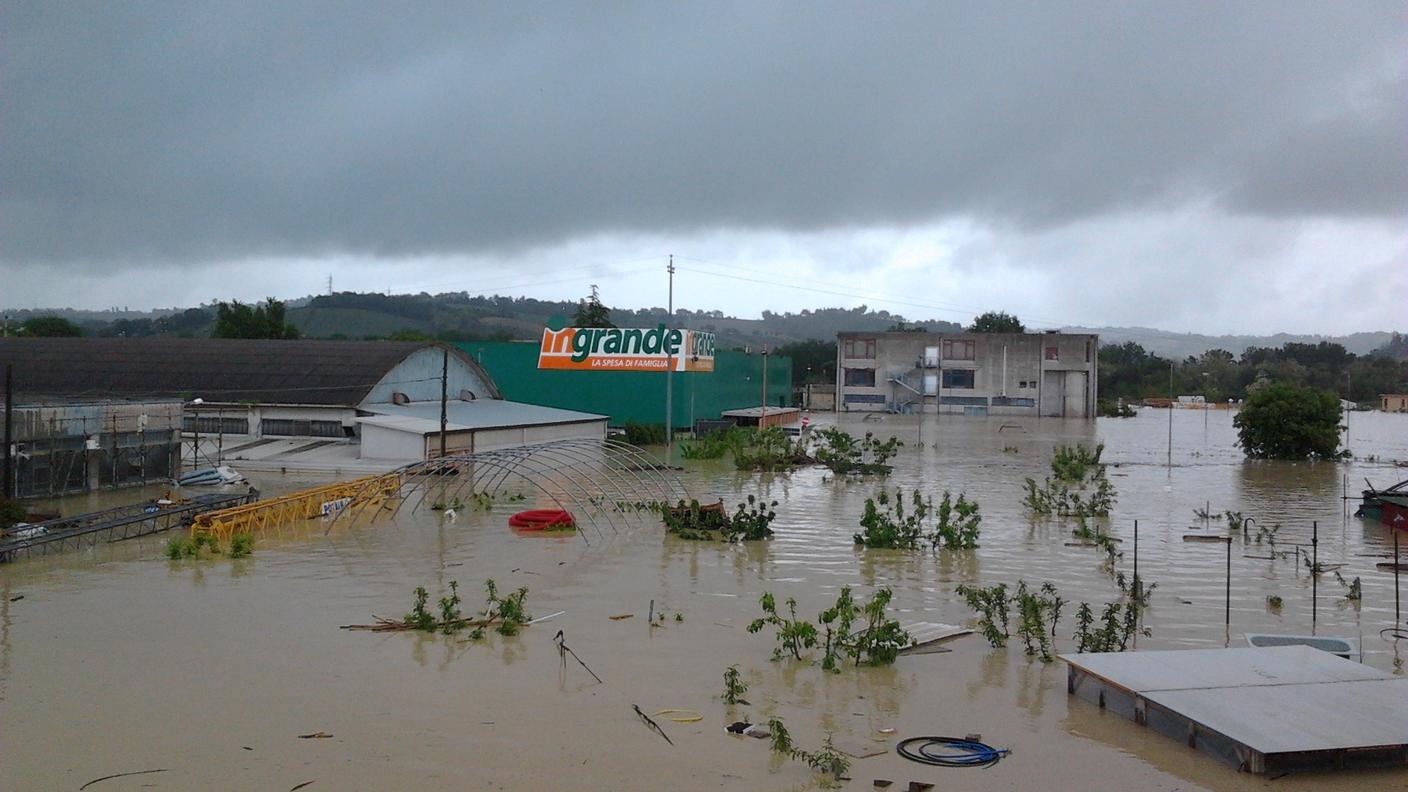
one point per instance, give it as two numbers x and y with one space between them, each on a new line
215 369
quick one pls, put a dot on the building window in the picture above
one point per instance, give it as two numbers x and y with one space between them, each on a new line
959 350
860 348
1052 353
860 378
958 378
300 428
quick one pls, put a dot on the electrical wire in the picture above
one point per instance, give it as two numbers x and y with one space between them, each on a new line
959 752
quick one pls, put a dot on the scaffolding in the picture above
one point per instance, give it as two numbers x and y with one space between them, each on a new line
109 525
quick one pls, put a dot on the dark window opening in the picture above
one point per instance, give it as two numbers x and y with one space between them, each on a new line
958 378
860 378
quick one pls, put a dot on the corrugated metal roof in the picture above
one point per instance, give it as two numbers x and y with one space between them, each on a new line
485 414
215 369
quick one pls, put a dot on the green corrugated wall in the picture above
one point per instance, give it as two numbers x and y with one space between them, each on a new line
634 395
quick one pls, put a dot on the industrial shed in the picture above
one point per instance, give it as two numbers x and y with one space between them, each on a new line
241 393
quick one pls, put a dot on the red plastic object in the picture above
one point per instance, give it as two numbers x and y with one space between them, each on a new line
542 520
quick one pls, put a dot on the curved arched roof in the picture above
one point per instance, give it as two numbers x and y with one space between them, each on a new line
215 369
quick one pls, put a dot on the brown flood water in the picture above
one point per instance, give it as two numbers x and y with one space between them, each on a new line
117 660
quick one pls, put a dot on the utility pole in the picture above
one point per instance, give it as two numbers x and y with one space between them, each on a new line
670 366
1170 414
7 476
444 396
763 414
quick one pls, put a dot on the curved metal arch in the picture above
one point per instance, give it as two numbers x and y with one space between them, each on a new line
538 466
496 464
670 487
563 461
572 470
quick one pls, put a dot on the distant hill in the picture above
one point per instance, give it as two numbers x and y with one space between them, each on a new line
462 315
1181 345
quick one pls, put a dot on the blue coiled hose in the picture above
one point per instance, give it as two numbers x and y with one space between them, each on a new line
957 752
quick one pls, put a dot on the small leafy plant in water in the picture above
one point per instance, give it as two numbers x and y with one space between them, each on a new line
1038 613
877 641
734 686
991 603
241 545
751 521
888 523
828 760
204 545
843 453
508 610
1273 602
1118 623
793 635
1077 486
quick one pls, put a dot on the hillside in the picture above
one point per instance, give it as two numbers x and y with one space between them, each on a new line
461 315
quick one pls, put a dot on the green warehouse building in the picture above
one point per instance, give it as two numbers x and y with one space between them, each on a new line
635 396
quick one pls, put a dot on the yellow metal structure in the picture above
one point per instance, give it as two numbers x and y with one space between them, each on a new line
275 514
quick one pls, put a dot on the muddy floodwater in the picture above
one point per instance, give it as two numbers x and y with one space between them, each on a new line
117 660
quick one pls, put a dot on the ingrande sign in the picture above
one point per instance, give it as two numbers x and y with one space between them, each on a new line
626 349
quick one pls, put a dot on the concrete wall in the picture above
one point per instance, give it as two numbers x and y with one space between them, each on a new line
1010 373
380 442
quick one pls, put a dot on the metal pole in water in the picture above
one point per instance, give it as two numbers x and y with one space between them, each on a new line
1227 618
1137 591
1397 614
670 366
1314 571
1170 414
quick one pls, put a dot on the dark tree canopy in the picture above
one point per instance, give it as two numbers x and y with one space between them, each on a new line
1283 421
997 322
237 320
50 327
812 361
591 313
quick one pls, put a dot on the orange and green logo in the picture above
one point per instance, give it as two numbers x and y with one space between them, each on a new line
626 349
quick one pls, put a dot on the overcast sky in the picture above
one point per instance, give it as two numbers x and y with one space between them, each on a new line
1238 167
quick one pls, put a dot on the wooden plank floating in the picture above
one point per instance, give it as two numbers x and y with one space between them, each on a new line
1263 710
927 637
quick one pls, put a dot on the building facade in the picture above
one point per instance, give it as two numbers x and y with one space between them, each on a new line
1045 374
636 396
1393 402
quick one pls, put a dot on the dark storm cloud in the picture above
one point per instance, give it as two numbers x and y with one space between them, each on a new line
181 132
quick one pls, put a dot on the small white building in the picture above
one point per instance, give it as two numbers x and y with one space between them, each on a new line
412 431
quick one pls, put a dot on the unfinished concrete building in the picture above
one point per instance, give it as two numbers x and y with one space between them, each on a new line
1046 374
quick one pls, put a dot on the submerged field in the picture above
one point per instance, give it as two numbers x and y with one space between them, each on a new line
119 660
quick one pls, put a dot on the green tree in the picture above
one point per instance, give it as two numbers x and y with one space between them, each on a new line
591 313
812 361
997 322
237 320
50 327
1284 421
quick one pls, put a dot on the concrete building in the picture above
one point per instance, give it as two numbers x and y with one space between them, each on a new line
271 401
1393 402
1047 374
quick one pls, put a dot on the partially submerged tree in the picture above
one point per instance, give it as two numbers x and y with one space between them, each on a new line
1283 421
997 322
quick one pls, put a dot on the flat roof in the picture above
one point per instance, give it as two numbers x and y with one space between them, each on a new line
757 412
471 415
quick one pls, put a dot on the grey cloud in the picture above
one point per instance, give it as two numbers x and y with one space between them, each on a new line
139 132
